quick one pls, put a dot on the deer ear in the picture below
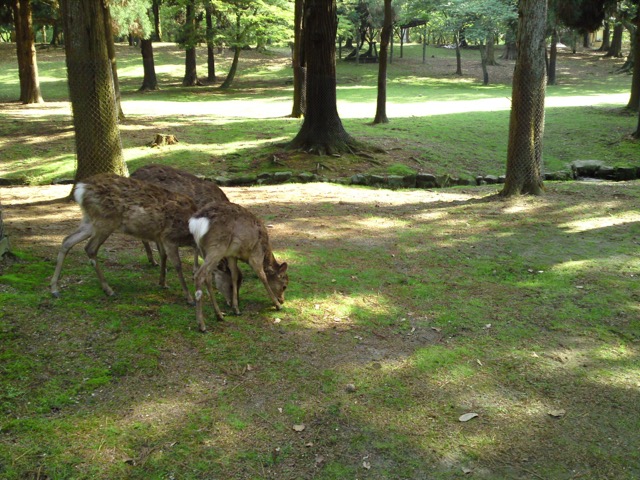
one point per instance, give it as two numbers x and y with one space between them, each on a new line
282 268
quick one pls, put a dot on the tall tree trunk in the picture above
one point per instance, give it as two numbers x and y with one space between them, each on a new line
634 99
483 64
606 37
458 56
322 131
491 49
190 61
211 59
553 58
91 89
111 49
157 28
385 35
149 81
26 52
616 42
232 70
298 62
526 126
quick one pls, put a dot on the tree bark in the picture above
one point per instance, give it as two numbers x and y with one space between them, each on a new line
232 70
615 50
634 99
458 56
553 58
111 49
157 31
149 81
298 63
26 52
322 131
483 63
385 35
526 126
190 61
91 89
211 59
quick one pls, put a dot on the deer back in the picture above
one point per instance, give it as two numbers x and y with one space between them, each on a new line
137 208
200 190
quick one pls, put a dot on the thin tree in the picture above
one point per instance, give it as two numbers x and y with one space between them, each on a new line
298 62
190 78
211 60
526 126
385 36
149 80
634 98
322 131
91 89
26 51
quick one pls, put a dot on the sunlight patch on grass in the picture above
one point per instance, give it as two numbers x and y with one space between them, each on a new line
594 223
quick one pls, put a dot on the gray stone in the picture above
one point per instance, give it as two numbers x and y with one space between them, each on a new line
395 181
377 180
306 177
242 181
281 177
360 179
586 168
625 173
425 180
443 181
491 179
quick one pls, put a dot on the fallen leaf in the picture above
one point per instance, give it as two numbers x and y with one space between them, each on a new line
466 470
299 428
467 416
366 465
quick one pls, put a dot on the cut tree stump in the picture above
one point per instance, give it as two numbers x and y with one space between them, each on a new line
162 140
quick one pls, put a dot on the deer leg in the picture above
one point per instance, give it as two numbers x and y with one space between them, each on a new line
92 247
163 265
257 267
149 252
82 233
174 258
233 268
203 275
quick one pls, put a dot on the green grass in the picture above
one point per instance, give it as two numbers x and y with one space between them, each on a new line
426 305
439 124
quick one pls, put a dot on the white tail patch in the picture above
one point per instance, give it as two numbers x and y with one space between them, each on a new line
78 192
198 227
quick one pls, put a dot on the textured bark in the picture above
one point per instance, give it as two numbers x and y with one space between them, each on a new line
111 49
211 59
155 9
91 89
615 50
526 126
385 36
232 70
26 51
190 61
322 131
149 81
634 99
553 58
298 63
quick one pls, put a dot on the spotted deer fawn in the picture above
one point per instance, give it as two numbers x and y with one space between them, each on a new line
112 203
202 192
227 230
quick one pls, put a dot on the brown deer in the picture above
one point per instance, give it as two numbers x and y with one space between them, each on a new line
202 192
227 230
112 203
199 190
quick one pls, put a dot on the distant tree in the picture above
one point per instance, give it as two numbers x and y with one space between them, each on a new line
26 50
190 40
385 37
4 240
526 126
298 62
634 98
91 89
322 131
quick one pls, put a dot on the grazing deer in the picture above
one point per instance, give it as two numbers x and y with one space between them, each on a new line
227 230
112 203
199 190
202 192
